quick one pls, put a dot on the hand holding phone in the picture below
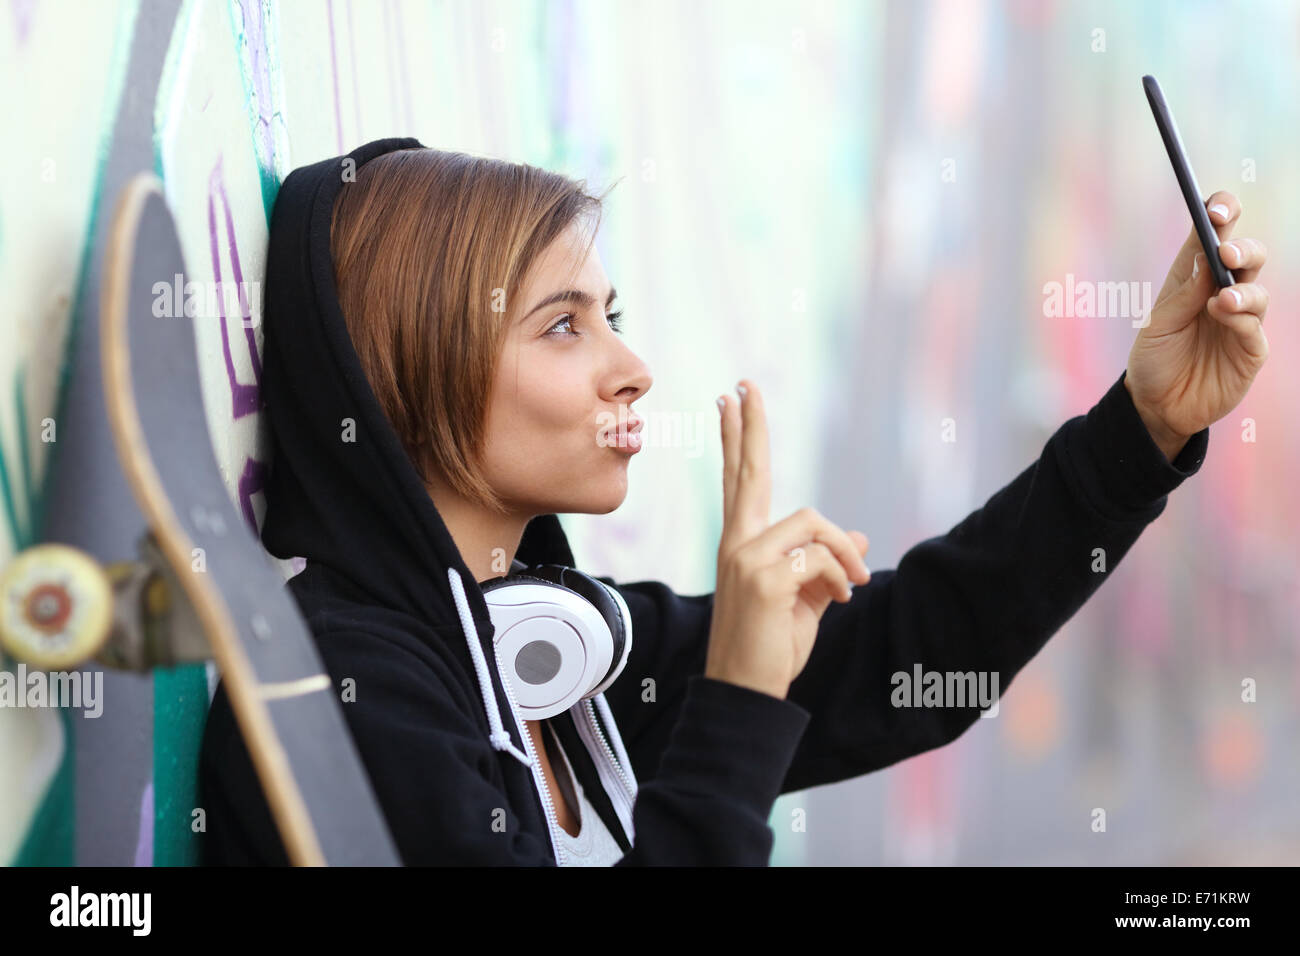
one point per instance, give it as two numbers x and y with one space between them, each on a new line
1198 349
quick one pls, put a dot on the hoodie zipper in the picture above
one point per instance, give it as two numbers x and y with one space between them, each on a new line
624 792
539 781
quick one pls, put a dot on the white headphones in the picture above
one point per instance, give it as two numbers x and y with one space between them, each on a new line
561 636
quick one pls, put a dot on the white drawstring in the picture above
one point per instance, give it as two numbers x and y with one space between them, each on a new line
499 737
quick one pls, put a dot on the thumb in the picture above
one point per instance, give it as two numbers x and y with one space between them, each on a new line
1184 303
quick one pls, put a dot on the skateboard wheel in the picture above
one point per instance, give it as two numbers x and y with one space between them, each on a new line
56 607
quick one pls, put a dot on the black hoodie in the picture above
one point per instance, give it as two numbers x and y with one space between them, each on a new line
683 769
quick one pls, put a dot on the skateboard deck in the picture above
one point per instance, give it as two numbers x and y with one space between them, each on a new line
282 697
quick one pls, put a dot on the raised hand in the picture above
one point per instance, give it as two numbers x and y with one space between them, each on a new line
774 582
1197 357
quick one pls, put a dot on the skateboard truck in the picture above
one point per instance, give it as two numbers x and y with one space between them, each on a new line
62 609
154 622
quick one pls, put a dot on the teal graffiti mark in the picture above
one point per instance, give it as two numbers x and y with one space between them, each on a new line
20 531
253 26
30 491
180 708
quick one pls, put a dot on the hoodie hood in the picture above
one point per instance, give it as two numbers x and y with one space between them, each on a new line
341 490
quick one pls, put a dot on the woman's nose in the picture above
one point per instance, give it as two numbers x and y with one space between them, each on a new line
639 377
633 372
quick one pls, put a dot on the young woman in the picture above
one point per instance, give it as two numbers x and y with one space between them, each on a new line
443 376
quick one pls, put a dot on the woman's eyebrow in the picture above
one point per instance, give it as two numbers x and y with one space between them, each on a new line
582 298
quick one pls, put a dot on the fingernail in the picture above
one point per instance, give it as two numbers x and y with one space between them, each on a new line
722 404
1236 296
741 389
1196 265
1221 209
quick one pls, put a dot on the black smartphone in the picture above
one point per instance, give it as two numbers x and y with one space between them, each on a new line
1187 182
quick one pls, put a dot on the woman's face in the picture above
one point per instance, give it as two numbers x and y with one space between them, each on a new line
561 402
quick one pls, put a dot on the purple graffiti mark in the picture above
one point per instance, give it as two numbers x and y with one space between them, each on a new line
356 70
334 70
22 11
245 398
260 69
144 842
251 482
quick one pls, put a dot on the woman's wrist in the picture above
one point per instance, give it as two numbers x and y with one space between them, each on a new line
1166 440
732 676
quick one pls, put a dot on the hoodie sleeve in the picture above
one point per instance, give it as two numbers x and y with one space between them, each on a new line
986 596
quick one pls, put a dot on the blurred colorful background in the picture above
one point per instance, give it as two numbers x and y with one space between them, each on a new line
858 205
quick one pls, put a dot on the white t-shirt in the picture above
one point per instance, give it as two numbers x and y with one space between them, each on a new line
594 845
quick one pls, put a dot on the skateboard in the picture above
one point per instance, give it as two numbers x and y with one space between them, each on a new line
204 587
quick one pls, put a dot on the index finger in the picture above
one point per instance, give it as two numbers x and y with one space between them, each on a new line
730 425
1224 209
753 502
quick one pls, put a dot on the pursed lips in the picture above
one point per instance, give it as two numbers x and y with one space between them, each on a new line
619 435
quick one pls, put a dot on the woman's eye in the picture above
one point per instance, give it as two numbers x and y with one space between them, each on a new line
564 320
567 319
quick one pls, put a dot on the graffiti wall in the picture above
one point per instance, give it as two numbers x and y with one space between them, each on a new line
855 204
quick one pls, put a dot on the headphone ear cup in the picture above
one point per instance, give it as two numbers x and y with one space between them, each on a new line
604 599
611 606
560 636
548 643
